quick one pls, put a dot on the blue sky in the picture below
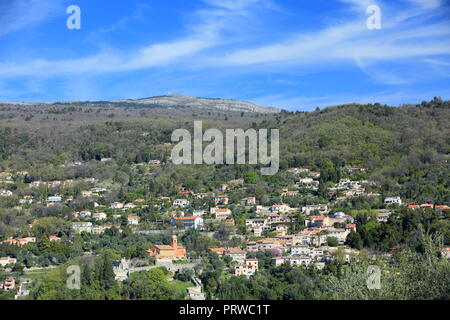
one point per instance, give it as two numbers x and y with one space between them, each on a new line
293 54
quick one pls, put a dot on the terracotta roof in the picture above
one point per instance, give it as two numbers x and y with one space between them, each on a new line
186 218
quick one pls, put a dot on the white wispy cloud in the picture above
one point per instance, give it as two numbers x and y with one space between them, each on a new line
204 32
19 14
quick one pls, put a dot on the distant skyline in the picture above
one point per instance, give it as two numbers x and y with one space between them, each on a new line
289 54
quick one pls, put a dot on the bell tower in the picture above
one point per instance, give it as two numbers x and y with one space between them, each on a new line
174 243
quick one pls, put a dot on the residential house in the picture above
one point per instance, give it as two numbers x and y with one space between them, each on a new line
129 206
221 214
8 285
221 200
117 205
188 222
393 200
133 220
181 203
79 227
249 201
54 199
280 208
99 216
321 209
223 187
248 268
4 261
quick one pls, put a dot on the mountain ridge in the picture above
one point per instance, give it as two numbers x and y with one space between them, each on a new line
176 101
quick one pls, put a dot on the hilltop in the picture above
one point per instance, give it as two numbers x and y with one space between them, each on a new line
170 101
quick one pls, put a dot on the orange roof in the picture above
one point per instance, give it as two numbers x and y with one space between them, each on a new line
186 218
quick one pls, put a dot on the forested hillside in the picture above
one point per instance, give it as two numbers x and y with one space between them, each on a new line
406 149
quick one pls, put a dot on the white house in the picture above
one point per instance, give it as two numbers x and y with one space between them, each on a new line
54 199
393 200
117 205
4 261
181 203
99 216
133 220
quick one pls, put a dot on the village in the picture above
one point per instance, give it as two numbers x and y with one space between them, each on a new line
308 236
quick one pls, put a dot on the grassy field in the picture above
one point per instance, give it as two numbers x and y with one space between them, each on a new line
180 286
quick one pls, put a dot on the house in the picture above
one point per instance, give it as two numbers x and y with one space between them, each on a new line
121 270
287 193
383 216
314 174
19 242
297 170
295 261
256 223
306 181
4 261
99 216
188 222
24 241
54 199
8 285
338 233
354 170
248 268
258 231
129 206
79 227
223 187
203 195
199 213
5 193
237 254
446 253
221 200
302 250
321 209
278 208
317 222
117 205
154 162
172 251
84 214
219 251
274 218
54 238
393 200
222 214
441 208
26 200
87 193
181 203
101 229
133 220
249 201
281 229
